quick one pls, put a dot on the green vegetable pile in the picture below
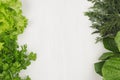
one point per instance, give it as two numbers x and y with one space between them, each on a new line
105 18
13 58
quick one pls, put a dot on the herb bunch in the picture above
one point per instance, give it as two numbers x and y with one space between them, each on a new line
13 58
105 18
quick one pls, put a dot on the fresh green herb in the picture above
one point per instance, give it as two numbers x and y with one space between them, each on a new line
109 43
105 18
98 67
106 55
109 66
13 58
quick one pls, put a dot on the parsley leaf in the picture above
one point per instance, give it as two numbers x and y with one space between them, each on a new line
13 58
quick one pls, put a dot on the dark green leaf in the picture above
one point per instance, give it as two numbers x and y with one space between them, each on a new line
106 55
109 43
98 67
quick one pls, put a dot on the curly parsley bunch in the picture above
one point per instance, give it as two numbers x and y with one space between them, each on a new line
13 58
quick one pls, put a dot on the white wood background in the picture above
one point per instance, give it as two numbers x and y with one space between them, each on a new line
60 34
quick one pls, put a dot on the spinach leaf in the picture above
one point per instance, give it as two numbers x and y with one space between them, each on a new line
111 69
98 67
106 55
109 43
117 40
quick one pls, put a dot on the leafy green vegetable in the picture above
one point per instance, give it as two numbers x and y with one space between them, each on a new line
117 40
106 55
98 67
13 58
105 18
109 66
111 69
109 43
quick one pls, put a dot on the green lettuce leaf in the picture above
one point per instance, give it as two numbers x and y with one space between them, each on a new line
111 69
13 58
117 40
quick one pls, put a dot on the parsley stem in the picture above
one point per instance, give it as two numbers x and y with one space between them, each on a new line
10 74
